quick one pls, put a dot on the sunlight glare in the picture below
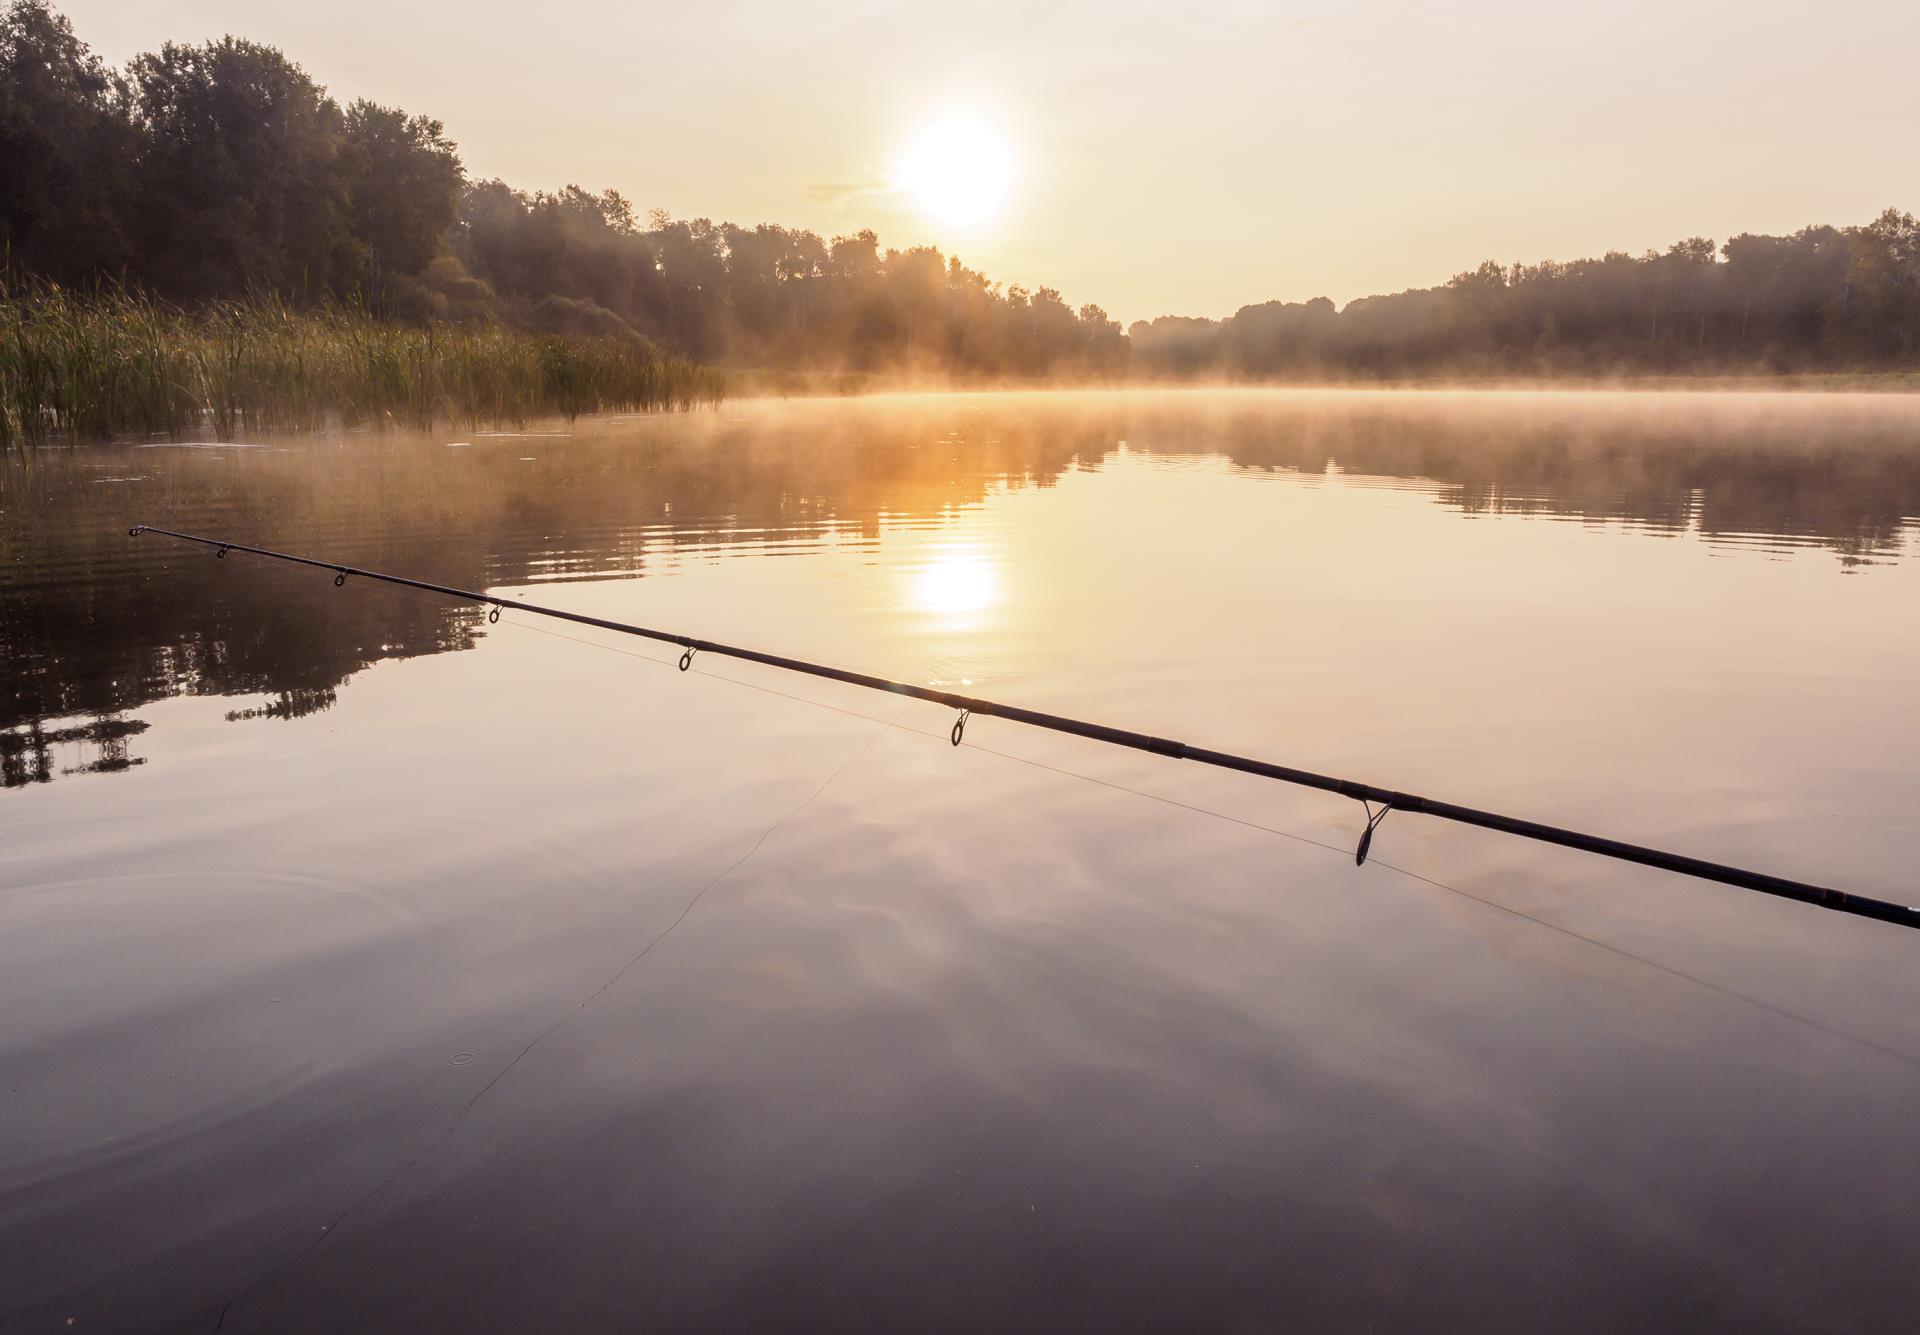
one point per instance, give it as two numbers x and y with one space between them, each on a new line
955 584
959 171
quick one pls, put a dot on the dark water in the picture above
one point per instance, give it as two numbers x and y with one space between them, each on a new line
367 967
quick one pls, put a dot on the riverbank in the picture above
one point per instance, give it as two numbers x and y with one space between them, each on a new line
771 384
116 364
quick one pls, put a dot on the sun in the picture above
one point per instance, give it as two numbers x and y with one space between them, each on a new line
958 171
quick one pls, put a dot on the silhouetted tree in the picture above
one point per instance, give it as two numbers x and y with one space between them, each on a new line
402 180
238 173
1824 298
65 146
220 168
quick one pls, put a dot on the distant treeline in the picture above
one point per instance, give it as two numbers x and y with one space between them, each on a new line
214 171
206 172
1823 299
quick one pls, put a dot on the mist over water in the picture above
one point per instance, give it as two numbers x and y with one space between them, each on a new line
327 916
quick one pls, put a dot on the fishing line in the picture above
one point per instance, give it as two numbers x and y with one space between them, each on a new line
923 732
1707 984
886 725
710 675
968 706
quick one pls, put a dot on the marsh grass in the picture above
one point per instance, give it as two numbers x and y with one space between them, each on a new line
112 363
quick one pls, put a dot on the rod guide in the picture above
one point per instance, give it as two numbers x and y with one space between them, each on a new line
1366 794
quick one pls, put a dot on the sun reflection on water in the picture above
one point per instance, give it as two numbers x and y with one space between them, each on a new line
956 584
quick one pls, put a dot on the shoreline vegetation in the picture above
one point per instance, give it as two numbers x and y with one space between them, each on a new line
115 364
112 364
205 241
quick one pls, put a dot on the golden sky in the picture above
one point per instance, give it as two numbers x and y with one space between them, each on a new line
1160 159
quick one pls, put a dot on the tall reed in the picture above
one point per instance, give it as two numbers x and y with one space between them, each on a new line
110 363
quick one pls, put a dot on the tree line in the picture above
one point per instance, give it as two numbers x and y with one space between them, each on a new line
207 172
1822 299
220 170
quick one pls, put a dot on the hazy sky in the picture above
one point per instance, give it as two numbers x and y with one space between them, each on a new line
1168 159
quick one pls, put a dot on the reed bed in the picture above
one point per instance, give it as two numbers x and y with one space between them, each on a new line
111 364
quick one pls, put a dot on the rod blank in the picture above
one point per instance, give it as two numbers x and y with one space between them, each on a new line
1821 896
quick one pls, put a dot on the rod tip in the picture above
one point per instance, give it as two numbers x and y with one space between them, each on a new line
136 530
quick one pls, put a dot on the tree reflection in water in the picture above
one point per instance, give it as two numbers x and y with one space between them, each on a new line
93 626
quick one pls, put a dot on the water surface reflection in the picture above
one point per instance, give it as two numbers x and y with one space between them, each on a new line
91 626
382 986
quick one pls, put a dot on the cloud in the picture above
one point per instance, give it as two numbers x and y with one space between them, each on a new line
840 189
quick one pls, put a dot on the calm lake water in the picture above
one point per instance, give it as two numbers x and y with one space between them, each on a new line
364 966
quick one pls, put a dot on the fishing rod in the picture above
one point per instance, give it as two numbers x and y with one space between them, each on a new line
1368 795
